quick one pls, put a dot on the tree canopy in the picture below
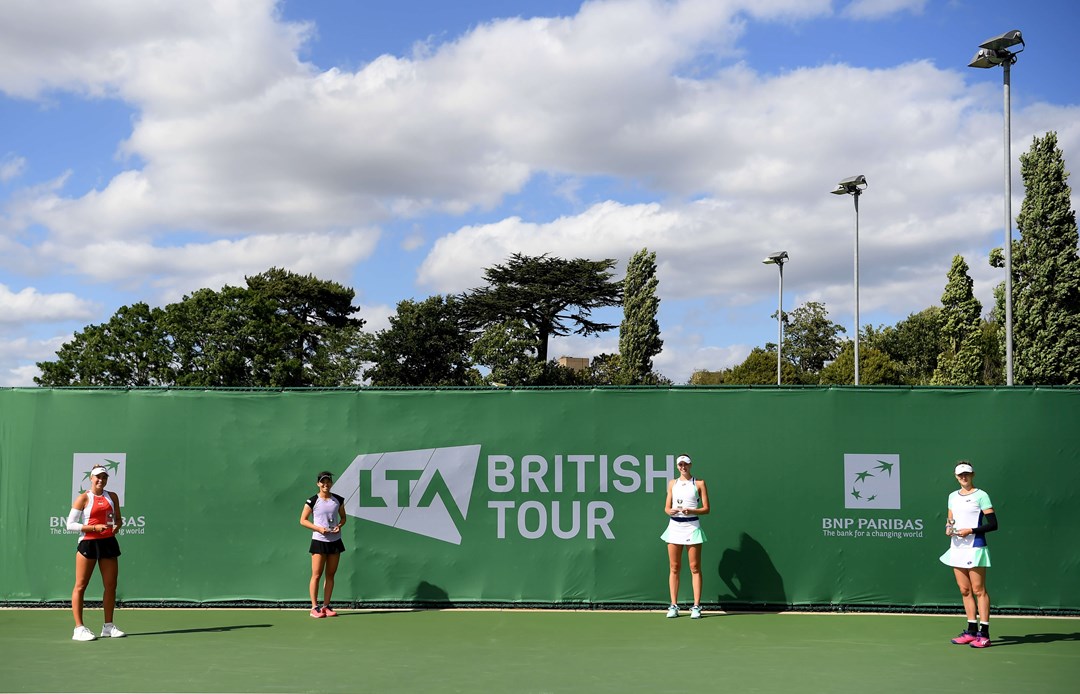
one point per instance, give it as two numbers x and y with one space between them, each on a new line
131 349
425 345
810 339
551 296
281 330
913 345
875 368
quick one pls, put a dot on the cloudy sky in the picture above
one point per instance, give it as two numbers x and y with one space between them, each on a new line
148 149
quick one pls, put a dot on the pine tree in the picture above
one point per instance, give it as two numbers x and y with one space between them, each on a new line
960 362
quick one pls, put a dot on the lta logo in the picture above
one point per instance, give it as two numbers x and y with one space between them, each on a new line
871 480
426 491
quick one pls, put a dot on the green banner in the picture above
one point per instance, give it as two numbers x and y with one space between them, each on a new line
819 496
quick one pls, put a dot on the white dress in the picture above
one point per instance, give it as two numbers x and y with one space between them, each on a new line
967 512
682 528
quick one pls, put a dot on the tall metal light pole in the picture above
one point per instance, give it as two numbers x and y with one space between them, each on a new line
854 187
779 259
992 53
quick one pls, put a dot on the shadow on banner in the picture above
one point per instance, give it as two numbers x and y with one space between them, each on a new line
751 577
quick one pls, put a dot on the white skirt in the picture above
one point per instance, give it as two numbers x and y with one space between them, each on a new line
963 554
683 533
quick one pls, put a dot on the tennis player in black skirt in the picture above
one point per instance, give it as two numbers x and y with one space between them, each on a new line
324 514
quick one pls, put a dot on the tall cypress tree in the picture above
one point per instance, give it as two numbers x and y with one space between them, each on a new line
960 362
639 332
1046 272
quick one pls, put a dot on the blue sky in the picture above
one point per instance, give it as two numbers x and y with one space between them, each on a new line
151 149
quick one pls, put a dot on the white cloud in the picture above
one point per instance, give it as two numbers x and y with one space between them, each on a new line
28 305
11 167
878 9
166 56
214 264
18 358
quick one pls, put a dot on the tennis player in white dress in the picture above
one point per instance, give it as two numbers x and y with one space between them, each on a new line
687 500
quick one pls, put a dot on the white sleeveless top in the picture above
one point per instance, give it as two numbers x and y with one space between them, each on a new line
684 494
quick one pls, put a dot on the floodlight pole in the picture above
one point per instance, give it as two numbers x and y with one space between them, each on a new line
1008 232
854 187
779 320
855 194
779 259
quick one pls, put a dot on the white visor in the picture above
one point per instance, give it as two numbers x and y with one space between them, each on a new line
99 470
684 459
962 467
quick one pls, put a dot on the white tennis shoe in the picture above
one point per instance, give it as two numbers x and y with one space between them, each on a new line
673 611
82 634
111 630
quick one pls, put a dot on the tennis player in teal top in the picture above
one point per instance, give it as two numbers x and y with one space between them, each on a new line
971 516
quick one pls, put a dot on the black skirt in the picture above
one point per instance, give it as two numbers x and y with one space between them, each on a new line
320 547
105 548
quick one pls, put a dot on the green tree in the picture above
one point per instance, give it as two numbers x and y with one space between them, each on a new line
425 345
913 345
507 350
992 348
639 332
281 330
307 310
810 340
547 295
131 349
704 377
759 368
224 339
875 368
1046 272
606 370
961 361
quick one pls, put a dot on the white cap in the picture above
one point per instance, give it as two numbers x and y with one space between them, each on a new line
684 459
962 467
98 470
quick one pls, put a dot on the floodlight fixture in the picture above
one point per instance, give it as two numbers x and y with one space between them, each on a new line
778 258
851 186
995 51
1005 41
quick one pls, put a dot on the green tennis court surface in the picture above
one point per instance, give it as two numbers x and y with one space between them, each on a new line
524 651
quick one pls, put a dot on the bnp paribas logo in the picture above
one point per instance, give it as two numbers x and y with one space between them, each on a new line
871 480
424 491
83 463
